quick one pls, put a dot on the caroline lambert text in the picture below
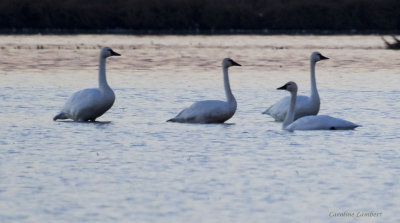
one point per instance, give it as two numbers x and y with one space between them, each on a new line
355 214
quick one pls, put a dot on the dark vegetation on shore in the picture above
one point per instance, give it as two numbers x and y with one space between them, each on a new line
200 15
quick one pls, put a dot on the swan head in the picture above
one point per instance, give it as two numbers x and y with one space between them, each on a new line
289 86
228 62
317 56
108 52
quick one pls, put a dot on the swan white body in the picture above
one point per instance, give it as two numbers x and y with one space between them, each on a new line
305 105
211 111
321 122
89 104
312 122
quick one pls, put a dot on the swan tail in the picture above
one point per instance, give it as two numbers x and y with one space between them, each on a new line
60 116
274 114
267 112
174 120
171 120
344 128
190 120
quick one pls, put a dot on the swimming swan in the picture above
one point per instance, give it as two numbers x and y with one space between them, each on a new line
305 105
312 122
89 104
211 111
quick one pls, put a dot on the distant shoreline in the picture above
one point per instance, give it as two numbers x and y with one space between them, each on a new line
193 32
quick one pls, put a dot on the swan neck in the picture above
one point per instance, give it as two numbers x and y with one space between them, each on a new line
228 91
102 73
314 90
291 113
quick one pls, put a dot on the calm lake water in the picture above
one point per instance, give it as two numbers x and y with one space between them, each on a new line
132 166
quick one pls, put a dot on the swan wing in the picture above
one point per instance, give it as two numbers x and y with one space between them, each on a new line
321 122
304 107
87 104
83 98
211 111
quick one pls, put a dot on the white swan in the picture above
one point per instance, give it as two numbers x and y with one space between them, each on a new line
211 111
312 122
89 104
305 105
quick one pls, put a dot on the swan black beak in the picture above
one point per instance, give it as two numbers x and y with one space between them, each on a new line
282 88
235 64
114 53
323 57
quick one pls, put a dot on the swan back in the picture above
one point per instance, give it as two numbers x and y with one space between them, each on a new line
321 122
210 111
304 106
88 104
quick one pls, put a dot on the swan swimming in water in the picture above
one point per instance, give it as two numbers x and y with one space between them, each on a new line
89 104
311 122
305 105
211 111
